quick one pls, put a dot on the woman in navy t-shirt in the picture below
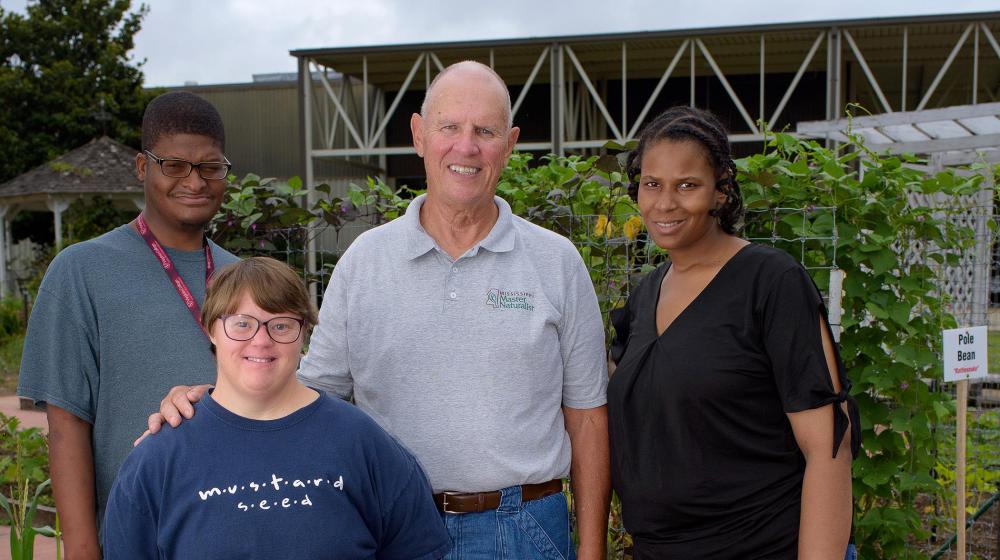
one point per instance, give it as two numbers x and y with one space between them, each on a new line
269 468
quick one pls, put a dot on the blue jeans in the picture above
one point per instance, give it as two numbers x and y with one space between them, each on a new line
852 552
516 530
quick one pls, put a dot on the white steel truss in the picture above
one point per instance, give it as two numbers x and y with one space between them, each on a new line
594 93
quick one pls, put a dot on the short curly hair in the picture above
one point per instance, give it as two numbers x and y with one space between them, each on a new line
697 125
181 112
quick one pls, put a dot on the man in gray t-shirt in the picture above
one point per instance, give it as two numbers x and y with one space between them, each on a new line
111 330
475 338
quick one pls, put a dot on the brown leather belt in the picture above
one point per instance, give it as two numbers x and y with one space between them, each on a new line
477 502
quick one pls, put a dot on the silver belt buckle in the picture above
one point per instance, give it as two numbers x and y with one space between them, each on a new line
444 502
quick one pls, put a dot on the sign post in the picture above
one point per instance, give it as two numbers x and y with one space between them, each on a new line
962 393
964 359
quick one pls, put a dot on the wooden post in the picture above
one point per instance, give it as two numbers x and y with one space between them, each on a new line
965 354
962 390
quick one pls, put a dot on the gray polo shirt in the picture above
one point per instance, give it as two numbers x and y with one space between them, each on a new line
468 361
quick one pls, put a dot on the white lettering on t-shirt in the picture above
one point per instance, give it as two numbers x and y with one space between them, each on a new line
212 492
275 480
284 495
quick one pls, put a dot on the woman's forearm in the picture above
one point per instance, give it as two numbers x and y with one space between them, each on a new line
825 520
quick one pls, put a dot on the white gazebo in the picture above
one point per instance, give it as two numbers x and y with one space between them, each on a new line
102 167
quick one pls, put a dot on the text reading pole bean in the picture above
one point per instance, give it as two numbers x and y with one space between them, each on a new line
965 353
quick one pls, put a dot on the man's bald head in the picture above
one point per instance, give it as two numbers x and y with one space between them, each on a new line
471 69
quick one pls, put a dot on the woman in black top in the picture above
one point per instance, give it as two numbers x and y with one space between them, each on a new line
732 431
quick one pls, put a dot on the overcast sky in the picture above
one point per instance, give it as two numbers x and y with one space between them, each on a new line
226 41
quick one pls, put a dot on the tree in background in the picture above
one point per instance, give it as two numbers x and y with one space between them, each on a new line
65 78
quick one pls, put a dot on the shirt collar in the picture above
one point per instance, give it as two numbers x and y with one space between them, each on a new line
500 239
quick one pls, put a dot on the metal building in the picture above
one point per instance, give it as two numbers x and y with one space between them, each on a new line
575 93
263 127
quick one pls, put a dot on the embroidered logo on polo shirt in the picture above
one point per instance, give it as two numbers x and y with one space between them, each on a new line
505 299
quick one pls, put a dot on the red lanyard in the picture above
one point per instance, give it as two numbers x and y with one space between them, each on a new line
168 267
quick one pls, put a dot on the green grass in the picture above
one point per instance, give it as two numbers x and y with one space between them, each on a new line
993 350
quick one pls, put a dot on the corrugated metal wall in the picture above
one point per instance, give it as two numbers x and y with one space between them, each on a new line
263 132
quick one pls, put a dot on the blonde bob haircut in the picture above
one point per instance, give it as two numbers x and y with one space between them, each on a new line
271 284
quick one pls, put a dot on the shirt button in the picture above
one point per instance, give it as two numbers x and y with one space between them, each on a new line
453 295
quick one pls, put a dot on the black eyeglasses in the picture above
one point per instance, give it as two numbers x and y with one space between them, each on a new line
284 330
181 168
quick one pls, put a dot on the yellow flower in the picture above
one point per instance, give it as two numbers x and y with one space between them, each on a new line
632 227
602 227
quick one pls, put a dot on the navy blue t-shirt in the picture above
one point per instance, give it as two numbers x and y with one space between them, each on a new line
322 482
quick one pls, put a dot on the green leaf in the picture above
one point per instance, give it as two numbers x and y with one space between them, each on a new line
906 355
46 531
357 198
251 220
797 222
942 411
608 163
883 261
833 169
900 420
876 310
5 504
899 311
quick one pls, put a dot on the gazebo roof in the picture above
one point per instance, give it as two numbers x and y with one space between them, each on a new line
956 135
102 166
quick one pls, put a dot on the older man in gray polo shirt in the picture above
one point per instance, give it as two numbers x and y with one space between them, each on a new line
475 338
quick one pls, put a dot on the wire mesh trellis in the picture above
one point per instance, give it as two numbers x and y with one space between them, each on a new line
964 279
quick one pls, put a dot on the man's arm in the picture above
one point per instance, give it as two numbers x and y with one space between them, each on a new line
326 365
590 477
177 406
71 461
585 379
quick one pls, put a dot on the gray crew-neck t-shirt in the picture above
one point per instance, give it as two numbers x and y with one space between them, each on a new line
109 336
